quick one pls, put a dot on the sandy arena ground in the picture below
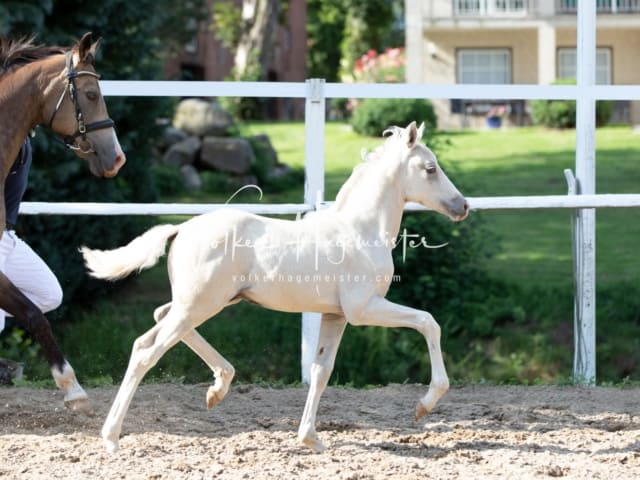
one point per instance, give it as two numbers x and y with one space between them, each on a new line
475 432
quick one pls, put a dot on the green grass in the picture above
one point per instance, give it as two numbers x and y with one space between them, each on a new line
534 256
530 161
342 149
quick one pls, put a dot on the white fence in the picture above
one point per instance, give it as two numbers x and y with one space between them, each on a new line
581 195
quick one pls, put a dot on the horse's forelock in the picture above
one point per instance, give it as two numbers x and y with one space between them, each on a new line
391 134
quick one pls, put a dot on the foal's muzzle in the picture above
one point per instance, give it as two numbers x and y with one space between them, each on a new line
458 209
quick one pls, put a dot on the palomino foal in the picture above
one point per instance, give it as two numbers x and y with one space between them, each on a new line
337 262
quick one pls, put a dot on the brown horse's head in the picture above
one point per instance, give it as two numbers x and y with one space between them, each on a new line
80 115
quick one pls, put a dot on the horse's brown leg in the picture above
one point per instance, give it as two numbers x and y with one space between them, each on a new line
29 317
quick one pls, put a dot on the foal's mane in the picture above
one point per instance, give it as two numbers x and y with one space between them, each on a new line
376 155
391 134
17 52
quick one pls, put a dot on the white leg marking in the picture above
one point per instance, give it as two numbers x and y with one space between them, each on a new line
75 398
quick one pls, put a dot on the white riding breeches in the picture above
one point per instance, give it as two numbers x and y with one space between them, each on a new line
29 273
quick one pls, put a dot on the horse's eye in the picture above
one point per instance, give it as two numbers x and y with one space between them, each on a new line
431 169
91 95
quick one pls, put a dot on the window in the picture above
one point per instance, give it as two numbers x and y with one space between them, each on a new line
484 65
567 64
489 7
508 6
467 7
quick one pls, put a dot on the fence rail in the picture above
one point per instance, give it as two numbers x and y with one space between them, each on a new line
529 202
157 88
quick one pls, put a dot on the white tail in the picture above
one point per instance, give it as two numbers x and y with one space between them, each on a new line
141 253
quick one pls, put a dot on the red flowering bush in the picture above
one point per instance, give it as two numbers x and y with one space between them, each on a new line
386 67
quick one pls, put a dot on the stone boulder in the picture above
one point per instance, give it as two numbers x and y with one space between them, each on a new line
10 371
268 152
172 135
184 152
199 117
190 177
232 155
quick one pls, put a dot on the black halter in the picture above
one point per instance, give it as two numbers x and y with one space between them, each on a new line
70 140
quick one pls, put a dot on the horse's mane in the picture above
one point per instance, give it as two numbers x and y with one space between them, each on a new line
369 158
391 134
17 52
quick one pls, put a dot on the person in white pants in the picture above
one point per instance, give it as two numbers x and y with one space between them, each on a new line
18 261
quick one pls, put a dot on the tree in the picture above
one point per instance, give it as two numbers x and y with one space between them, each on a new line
325 30
370 25
24 17
260 20
250 33
340 31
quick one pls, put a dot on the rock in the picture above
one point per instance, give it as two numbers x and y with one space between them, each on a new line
280 170
172 135
183 153
233 155
267 150
201 118
9 371
190 177
243 181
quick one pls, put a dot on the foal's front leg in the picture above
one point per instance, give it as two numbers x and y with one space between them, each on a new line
331 330
383 313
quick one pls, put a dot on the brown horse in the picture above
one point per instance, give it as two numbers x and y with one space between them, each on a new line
57 87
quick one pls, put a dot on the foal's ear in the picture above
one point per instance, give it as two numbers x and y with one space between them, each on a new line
412 134
87 49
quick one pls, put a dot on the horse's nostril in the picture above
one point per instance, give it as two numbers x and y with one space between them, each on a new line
117 165
120 160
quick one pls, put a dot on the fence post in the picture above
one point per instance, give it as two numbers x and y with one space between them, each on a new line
314 118
579 348
585 365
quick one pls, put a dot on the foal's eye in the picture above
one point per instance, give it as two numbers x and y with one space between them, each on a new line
431 169
91 95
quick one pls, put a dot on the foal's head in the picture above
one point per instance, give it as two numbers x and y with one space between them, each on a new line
78 112
424 181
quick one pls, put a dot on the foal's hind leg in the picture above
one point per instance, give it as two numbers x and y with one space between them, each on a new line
147 350
220 367
29 317
331 330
